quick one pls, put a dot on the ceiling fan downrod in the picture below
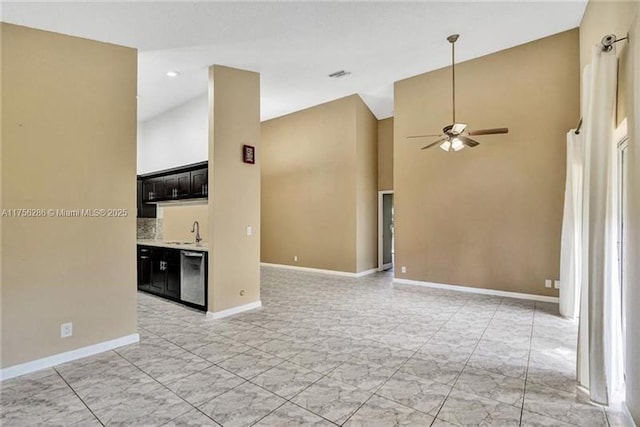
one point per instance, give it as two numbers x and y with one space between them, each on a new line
453 39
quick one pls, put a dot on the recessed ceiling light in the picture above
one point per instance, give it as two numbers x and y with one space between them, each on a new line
173 73
338 74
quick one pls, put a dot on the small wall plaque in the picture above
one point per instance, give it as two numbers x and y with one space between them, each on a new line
248 154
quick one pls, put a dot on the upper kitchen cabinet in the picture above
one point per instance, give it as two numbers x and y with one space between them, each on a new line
153 189
183 183
200 182
145 210
177 186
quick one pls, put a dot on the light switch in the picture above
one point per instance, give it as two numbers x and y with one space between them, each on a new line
249 230
547 283
556 284
403 269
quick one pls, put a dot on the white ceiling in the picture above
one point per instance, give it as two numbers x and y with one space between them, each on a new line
295 45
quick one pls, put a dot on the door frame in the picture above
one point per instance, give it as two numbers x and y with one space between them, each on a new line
381 194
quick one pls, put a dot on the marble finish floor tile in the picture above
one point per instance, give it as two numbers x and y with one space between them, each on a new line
332 399
326 343
205 385
415 392
466 409
250 363
494 386
62 407
566 407
193 418
362 374
287 379
150 404
441 371
290 415
380 412
241 406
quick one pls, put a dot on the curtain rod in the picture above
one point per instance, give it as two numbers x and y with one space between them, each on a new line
577 132
610 39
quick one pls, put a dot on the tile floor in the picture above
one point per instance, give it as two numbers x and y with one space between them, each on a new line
324 351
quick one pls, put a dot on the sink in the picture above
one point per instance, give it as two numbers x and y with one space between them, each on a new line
180 243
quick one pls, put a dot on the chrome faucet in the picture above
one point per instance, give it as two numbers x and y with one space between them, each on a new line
196 229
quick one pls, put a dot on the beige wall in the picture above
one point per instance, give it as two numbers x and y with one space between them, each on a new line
602 18
234 199
385 154
487 217
317 191
366 188
177 222
68 142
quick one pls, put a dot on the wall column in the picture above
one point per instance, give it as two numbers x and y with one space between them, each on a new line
234 191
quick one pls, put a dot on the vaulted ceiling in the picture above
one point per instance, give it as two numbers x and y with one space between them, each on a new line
296 45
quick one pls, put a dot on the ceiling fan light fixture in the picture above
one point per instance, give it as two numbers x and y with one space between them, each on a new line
457 144
446 146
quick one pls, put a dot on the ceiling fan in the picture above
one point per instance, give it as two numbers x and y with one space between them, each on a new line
453 136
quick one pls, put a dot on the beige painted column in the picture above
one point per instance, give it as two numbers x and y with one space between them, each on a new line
234 191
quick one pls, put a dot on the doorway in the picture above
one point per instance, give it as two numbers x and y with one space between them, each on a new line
385 231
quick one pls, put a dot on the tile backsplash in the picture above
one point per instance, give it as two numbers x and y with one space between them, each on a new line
150 228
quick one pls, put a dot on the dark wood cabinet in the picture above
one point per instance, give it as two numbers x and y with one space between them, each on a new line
200 183
177 186
145 266
159 271
187 182
172 269
145 210
153 189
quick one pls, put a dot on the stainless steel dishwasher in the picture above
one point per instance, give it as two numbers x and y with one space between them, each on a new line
192 280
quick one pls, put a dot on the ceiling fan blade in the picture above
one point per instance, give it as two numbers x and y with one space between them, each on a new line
423 136
439 141
458 128
468 141
488 131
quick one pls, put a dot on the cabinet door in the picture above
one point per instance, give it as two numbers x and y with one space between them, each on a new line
147 190
153 190
183 184
172 259
158 273
145 210
171 187
200 183
144 268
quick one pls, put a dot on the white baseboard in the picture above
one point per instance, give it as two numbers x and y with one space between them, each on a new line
473 290
320 271
67 356
214 315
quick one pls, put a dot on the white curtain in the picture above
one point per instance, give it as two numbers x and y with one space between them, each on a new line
571 244
600 348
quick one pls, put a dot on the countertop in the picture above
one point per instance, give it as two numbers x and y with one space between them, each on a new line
172 244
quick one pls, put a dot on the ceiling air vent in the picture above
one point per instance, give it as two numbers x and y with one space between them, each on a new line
338 74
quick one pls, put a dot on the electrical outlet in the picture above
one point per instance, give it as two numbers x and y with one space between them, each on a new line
403 269
66 330
295 258
249 230
547 283
556 284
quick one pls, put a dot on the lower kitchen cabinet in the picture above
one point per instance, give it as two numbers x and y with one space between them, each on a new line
159 273
145 268
172 270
